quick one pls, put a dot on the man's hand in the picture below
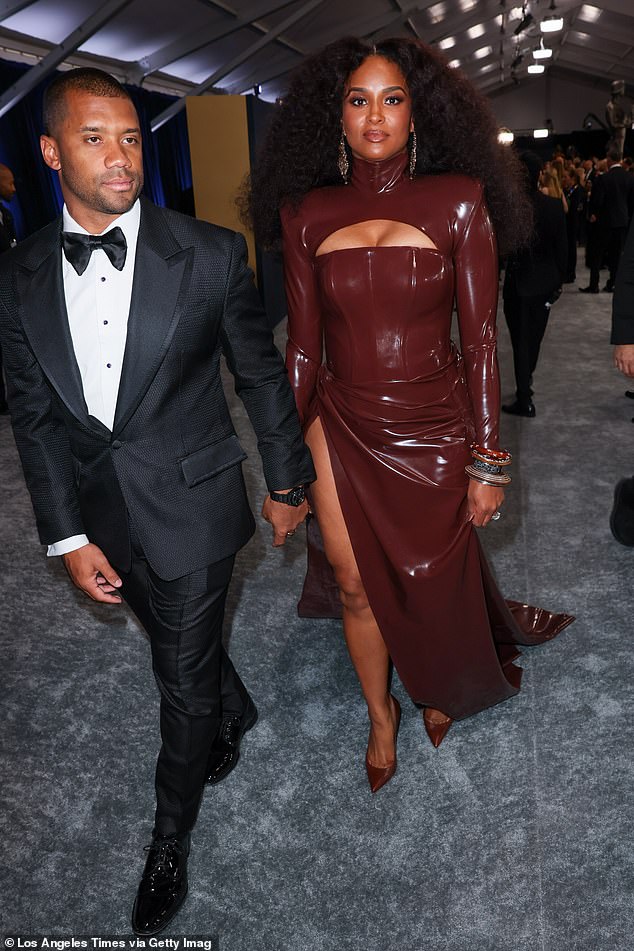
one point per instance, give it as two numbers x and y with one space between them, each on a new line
624 358
284 518
483 501
91 571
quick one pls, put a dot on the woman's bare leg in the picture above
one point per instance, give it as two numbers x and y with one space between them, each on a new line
365 644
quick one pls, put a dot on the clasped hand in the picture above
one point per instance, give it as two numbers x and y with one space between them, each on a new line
483 501
285 519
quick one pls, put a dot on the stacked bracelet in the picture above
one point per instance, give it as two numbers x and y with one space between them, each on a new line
487 466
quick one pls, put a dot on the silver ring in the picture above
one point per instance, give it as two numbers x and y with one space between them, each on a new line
496 516
288 534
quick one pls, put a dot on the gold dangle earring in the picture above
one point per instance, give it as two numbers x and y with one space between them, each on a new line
342 162
412 155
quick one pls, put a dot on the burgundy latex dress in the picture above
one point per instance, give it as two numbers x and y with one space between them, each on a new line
400 408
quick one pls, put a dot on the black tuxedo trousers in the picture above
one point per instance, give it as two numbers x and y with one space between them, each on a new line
196 679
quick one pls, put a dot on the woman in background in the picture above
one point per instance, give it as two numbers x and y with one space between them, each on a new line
380 158
550 185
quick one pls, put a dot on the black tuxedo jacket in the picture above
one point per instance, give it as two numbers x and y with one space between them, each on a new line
623 301
172 460
612 198
540 269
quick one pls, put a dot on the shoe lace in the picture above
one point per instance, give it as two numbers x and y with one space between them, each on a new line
163 860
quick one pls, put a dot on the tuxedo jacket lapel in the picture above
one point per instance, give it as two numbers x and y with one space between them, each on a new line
45 320
161 274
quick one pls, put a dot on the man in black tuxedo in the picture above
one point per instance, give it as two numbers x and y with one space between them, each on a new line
113 319
610 209
532 279
7 241
622 515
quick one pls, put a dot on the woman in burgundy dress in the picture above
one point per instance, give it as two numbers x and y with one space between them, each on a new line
381 159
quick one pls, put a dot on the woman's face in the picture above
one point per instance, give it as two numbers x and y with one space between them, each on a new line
377 110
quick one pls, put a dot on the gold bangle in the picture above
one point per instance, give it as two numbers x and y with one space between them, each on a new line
487 478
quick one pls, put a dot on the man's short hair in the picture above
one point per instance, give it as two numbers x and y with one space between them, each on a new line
86 79
614 155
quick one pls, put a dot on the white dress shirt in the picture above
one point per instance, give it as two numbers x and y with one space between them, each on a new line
98 304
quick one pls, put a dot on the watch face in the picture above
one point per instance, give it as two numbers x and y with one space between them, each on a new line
297 496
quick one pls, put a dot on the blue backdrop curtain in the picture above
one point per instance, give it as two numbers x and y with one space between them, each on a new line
38 200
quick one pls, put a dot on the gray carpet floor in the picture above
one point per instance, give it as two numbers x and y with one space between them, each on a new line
516 835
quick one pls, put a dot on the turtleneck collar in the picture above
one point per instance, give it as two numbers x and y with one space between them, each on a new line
379 177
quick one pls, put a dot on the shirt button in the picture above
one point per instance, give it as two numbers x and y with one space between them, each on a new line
102 279
109 365
105 322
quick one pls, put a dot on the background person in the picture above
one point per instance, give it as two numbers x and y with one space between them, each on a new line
622 515
610 208
533 277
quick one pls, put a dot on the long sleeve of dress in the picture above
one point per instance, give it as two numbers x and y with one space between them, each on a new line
476 270
304 346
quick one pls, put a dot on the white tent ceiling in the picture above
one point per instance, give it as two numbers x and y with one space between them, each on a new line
190 46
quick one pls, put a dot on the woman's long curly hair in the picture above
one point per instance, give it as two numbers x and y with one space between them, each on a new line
455 129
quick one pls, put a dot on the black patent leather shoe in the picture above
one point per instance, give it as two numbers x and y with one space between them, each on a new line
622 514
163 887
520 409
225 749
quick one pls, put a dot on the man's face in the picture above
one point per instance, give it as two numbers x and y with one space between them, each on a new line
96 148
7 185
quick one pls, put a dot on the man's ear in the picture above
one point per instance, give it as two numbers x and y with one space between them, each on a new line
50 152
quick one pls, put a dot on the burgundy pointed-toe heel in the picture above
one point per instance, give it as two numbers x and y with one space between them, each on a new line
436 731
378 776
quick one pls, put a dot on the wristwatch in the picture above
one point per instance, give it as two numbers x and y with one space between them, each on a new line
293 497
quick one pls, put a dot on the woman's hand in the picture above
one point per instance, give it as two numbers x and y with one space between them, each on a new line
483 501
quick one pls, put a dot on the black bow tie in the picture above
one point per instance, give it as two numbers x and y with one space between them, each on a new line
79 247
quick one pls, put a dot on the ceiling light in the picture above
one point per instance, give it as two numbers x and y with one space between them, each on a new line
447 43
552 23
535 68
590 13
437 13
541 52
455 63
505 137
515 14
540 133
482 52
475 31
466 5
488 67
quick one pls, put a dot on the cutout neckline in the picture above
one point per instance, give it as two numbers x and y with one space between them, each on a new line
381 227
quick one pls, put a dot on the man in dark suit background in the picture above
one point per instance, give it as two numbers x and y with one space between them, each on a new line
610 209
622 515
532 279
7 241
113 319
